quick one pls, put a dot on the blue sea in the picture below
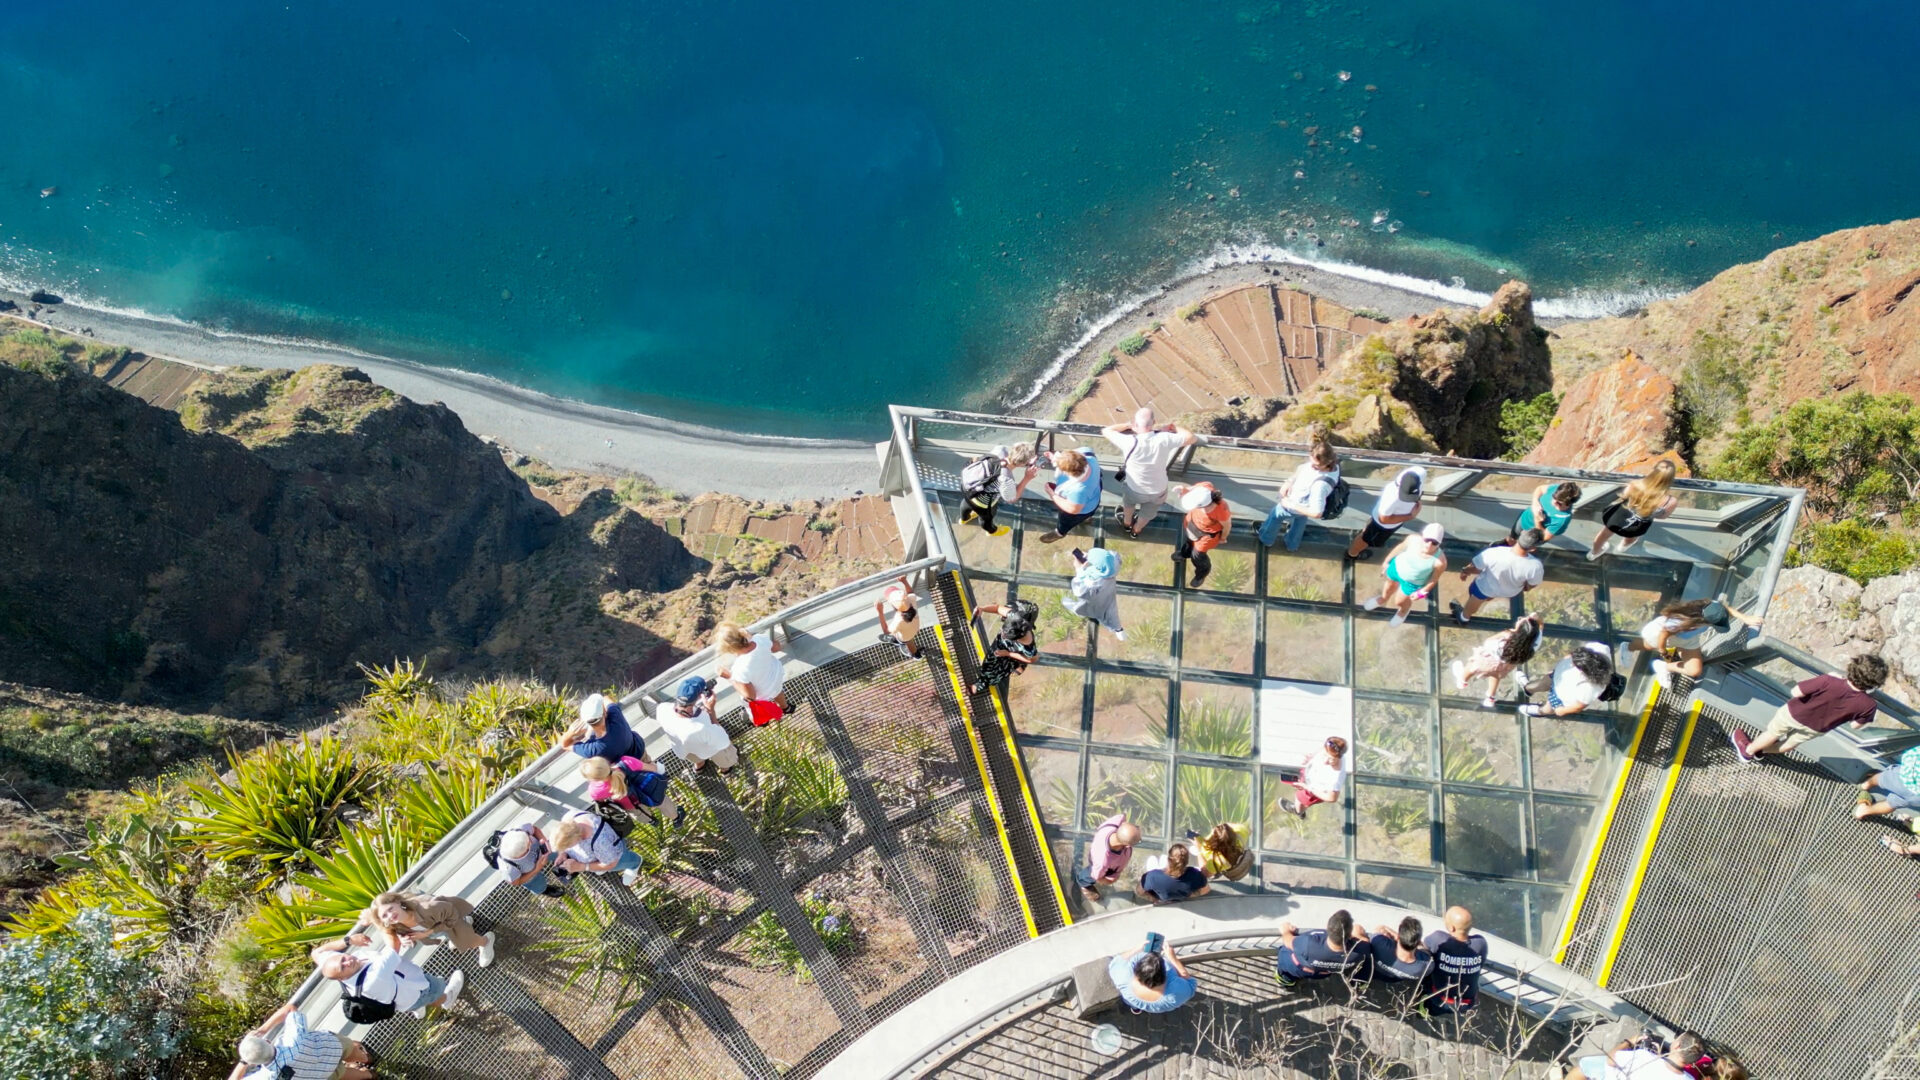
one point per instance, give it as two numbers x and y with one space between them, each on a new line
783 216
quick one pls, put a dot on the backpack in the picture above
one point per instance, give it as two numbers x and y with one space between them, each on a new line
981 478
1616 685
650 789
615 817
490 851
1336 504
360 1009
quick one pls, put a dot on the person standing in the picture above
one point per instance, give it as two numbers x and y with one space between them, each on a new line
752 664
382 979
1634 512
1499 656
687 722
590 845
1340 949
1500 572
1107 855
299 1052
1459 955
1013 647
1322 775
603 732
1074 489
1411 573
1549 509
991 480
1398 503
1207 523
1816 706
524 858
1400 954
1306 495
632 784
1575 683
1145 453
1094 593
1176 881
899 613
408 918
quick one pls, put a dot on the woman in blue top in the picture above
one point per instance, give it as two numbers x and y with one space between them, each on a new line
1075 490
1146 985
1549 509
1411 572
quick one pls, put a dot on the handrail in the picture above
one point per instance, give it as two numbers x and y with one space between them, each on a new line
1775 560
540 764
895 414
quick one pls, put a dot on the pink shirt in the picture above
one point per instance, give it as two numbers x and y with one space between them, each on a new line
1106 863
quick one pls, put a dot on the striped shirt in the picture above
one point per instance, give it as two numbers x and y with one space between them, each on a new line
312 1055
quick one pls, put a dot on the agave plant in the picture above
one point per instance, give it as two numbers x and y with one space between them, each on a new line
796 785
441 798
399 683
586 934
1210 726
367 862
282 805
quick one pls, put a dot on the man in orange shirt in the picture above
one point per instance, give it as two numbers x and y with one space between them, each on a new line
1209 519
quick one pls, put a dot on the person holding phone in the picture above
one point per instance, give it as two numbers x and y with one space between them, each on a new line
1152 980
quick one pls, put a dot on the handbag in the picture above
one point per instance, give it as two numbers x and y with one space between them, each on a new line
616 818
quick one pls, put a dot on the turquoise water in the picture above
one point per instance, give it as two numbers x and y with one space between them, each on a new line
783 216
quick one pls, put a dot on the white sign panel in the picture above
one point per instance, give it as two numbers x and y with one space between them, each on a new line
1297 717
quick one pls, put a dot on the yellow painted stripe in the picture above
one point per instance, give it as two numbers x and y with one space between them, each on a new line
1019 771
986 780
1653 837
1606 826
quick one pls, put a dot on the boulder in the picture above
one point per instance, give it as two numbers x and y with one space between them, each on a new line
1615 419
1832 617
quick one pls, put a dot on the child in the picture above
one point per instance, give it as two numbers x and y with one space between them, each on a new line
899 619
1499 656
1013 647
1322 775
632 784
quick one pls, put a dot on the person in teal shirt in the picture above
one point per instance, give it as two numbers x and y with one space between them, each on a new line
1075 490
1549 509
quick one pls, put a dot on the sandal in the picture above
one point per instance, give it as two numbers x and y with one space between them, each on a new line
1897 847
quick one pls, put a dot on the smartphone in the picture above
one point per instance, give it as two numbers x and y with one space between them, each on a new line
1079 556
1155 942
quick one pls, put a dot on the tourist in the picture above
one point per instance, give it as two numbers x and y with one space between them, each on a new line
1399 953
1107 855
1459 954
994 478
1207 522
1340 949
1399 503
1549 509
752 665
1577 681
1816 706
1499 572
1074 489
632 784
1144 982
1013 647
603 732
524 859
1145 453
299 1052
687 722
1093 594
407 918
1646 1059
1223 851
1322 775
899 616
1499 656
377 981
1307 495
1898 787
1411 573
1175 881
590 845
1676 635
1629 518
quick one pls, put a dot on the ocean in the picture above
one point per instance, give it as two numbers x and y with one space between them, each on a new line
781 217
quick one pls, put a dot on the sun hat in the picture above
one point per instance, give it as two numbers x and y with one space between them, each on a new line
1198 497
1435 532
516 844
593 708
255 1050
692 689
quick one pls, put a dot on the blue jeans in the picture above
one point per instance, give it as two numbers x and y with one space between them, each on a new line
1594 1068
630 861
436 989
1278 518
537 884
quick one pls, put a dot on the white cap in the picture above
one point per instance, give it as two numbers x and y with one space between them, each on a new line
1197 497
1434 531
897 596
255 1050
516 844
593 708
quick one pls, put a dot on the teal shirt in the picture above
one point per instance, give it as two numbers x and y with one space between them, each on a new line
1556 518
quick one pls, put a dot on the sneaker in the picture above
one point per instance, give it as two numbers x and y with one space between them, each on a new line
967 516
1741 740
1000 530
628 877
1594 556
889 639
455 983
1370 603
1487 702
1459 669
1285 979
1198 580
1290 806
1120 635
1459 613
1398 618
1623 656
1050 537
906 650
486 950
1660 674
1092 894
679 815
554 890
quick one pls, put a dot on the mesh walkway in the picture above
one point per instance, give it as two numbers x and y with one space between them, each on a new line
863 809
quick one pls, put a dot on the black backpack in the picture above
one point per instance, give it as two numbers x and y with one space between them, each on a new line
490 850
359 1009
980 480
1337 498
1616 685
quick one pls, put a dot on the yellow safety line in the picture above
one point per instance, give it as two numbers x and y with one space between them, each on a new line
1020 773
1606 826
986 781
1653 836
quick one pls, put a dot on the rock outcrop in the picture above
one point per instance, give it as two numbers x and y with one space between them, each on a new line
1614 419
1833 617
1431 382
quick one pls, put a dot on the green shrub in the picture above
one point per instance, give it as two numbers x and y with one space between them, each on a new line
72 1004
1858 550
1524 423
281 808
1857 456
366 862
1712 389
1133 344
769 945
1191 311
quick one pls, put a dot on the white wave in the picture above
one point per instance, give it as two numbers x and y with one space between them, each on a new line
1094 330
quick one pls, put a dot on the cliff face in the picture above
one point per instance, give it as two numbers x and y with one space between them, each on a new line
312 521
1615 419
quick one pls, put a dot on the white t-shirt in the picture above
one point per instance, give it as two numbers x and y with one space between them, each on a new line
1390 503
388 976
695 735
1637 1064
761 667
1505 572
1146 458
602 845
1322 777
1310 487
1571 687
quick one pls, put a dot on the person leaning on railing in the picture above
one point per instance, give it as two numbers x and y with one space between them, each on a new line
299 1052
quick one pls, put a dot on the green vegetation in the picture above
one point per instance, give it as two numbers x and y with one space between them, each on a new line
1133 344
54 356
283 804
1712 389
1524 423
1191 312
639 491
74 1005
1859 550
1374 314
769 945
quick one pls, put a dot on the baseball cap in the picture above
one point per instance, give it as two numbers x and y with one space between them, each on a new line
692 689
1715 615
593 708
1434 531
1196 498
516 844
1412 480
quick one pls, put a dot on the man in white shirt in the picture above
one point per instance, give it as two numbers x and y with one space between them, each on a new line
1687 1057
369 969
1145 451
299 1052
1322 775
687 722
1397 505
1500 572
1576 682
1303 497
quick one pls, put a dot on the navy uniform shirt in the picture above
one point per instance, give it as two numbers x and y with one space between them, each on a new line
1456 966
1386 959
1311 957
